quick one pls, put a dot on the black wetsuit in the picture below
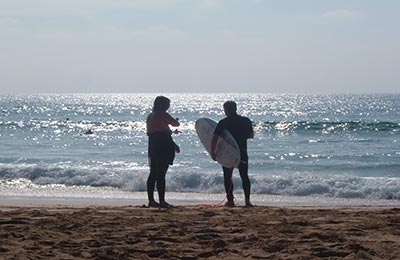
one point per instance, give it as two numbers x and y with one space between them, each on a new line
162 147
161 154
240 127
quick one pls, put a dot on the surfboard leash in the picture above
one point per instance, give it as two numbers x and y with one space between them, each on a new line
222 202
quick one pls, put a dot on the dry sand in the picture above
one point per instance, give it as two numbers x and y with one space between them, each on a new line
187 232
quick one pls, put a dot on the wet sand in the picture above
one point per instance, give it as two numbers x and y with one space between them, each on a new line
189 232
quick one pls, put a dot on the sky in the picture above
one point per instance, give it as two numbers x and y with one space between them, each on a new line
263 46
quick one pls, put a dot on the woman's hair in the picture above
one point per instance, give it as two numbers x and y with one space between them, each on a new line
161 103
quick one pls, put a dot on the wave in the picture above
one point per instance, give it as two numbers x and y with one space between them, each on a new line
324 127
107 125
328 126
130 177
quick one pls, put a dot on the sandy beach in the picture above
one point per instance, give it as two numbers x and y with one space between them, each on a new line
189 232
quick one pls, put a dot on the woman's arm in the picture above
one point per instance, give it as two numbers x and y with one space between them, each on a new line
172 121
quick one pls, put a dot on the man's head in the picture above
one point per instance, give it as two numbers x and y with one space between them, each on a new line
230 108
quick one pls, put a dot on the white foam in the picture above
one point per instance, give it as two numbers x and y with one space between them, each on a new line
25 189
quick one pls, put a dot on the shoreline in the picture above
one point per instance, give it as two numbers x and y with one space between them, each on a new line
80 200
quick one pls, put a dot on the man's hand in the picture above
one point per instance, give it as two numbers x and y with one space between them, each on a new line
177 148
213 146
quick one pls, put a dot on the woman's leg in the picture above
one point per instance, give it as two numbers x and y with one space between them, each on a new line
162 171
151 181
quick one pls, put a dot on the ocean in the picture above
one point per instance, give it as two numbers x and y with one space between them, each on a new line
307 149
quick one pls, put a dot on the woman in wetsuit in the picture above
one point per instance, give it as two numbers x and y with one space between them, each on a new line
161 149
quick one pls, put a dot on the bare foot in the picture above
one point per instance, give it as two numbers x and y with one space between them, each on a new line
165 205
230 204
248 204
153 204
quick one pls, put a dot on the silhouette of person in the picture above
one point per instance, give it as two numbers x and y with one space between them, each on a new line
241 129
89 132
161 149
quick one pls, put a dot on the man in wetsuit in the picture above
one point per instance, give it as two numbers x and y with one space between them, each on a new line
241 129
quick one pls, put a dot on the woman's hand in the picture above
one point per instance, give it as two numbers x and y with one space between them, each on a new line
176 131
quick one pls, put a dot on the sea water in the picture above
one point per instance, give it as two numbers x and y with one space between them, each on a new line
311 147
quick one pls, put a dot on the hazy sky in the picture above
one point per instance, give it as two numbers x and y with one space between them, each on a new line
278 46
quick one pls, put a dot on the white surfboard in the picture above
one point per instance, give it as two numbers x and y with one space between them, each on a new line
227 149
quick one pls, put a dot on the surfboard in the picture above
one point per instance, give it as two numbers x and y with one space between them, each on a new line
227 149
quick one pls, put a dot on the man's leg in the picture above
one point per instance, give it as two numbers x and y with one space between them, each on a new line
243 170
228 183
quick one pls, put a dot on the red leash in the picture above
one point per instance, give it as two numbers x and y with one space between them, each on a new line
221 203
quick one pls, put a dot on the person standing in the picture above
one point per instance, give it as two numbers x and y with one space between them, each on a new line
241 129
161 149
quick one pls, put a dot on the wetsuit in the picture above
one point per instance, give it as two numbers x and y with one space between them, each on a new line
240 127
161 154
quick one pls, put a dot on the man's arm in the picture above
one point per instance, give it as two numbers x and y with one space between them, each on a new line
251 131
213 146
251 135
